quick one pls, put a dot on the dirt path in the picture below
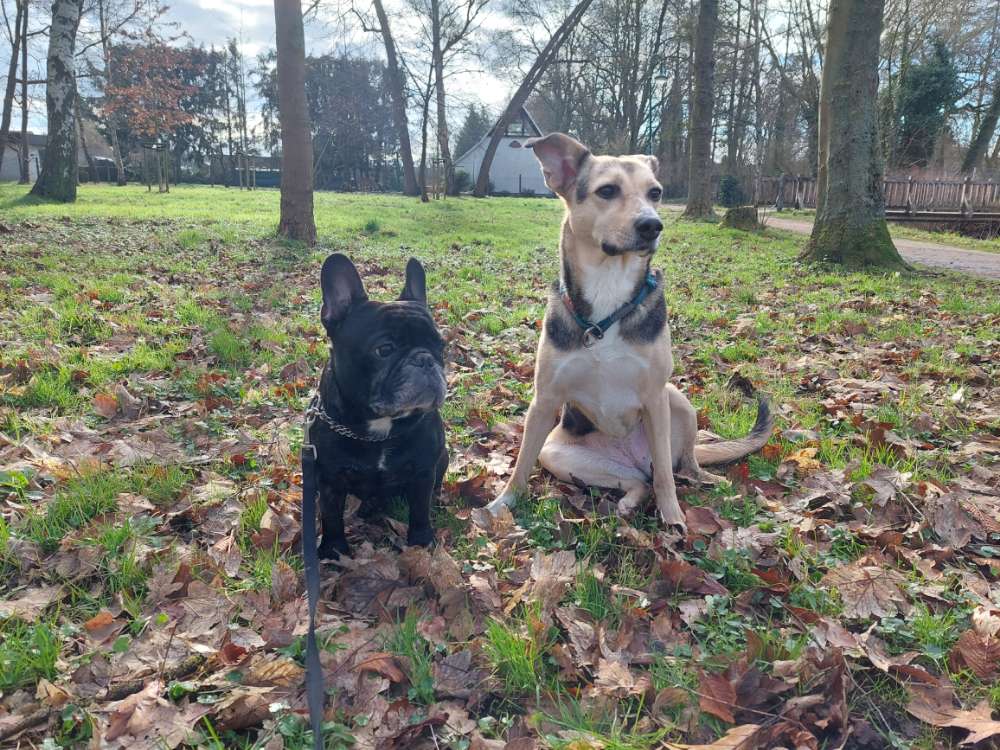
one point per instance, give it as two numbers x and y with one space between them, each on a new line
975 262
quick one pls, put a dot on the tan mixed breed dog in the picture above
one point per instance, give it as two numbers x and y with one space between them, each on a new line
604 357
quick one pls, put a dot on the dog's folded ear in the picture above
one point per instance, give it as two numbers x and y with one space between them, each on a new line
561 158
342 288
651 161
415 289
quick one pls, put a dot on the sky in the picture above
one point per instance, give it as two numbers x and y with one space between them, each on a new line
212 22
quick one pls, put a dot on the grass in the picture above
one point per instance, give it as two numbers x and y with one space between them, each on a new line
188 303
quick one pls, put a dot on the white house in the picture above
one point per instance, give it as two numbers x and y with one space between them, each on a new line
514 170
10 170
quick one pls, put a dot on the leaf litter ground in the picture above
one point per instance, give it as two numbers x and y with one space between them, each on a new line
839 591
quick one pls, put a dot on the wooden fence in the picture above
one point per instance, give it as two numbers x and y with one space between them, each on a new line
966 197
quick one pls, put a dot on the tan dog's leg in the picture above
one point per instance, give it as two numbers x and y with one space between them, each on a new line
684 434
596 461
538 422
658 432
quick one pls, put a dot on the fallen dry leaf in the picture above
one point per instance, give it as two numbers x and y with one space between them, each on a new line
30 605
717 696
978 653
867 589
936 706
742 737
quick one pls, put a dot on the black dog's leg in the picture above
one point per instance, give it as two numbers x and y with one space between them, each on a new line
420 494
331 511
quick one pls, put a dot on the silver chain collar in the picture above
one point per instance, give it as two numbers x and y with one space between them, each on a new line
316 410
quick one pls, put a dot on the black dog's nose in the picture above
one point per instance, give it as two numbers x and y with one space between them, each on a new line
649 229
423 359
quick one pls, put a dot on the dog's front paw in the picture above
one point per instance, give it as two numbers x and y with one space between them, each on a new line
671 513
420 537
506 499
331 548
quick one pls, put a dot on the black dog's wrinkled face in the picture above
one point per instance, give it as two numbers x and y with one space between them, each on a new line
388 357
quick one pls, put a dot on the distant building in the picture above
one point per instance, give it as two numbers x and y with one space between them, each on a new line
10 171
99 148
514 170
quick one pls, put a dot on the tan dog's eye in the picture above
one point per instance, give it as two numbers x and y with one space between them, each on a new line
655 194
607 191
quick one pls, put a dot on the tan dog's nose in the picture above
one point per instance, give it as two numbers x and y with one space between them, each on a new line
649 228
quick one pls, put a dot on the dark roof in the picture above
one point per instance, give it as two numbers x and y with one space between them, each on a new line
34 139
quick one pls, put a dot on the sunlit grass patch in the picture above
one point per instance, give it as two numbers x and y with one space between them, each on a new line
73 505
28 652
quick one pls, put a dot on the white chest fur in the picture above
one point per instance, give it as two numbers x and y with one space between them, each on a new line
605 382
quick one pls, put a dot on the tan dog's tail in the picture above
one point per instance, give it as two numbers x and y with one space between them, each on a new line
713 454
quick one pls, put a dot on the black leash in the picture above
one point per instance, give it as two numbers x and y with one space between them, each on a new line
315 691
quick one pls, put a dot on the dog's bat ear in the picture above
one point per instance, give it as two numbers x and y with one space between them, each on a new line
561 158
415 289
342 288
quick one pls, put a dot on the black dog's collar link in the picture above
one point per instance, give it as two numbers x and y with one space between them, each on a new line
316 411
594 332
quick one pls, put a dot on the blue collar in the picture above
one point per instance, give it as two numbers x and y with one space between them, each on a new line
593 332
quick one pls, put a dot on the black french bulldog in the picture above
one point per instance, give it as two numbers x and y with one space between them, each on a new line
378 433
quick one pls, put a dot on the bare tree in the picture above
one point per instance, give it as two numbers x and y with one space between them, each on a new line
14 35
59 166
850 226
396 83
534 74
25 170
297 221
448 29
699 203
983 136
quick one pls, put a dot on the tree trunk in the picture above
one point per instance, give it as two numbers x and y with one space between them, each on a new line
699 204
109 77
437 50
850 226
537 70
297 220
981 142
25 151
92 175
398 96
8 94
59 167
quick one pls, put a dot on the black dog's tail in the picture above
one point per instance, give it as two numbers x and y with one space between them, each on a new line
712 454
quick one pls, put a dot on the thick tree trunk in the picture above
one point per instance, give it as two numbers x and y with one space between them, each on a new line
699 203
8 94
59 167
297 220
398 96
437 50
537 70
850 226
981 141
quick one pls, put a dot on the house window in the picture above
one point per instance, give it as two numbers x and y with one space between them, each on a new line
517 128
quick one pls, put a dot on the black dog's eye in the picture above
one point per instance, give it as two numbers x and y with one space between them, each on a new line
655 194
607 191
385 350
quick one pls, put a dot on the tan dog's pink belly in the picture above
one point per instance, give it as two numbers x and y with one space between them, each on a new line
630 450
